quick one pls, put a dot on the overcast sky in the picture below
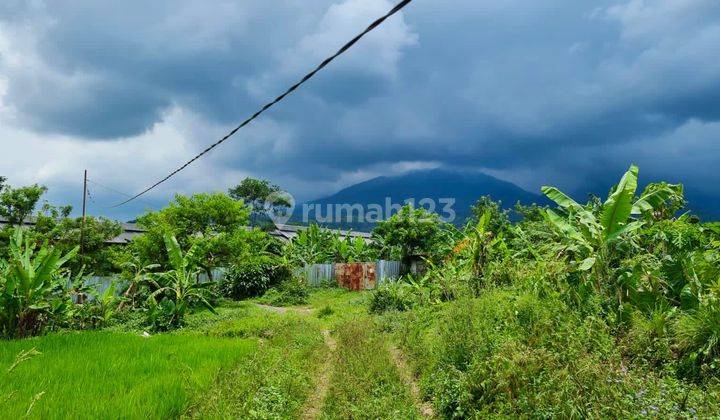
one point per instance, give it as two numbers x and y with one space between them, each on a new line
534 92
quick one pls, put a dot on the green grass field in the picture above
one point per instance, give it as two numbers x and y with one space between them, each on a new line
325 359
109 374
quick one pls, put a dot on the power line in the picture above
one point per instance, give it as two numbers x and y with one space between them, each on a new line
267 106
116 192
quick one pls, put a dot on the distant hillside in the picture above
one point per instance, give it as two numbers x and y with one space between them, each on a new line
704 205
464 187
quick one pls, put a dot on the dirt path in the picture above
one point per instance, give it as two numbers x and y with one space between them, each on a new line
314 404
316 401
405 373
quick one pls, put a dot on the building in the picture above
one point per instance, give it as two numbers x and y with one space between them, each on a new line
288 232
282 232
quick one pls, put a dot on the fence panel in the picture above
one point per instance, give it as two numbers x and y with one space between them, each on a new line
218 274
388 271
316 274
368 276
356 276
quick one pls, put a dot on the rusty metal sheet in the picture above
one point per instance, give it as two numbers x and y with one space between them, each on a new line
369 278
355 276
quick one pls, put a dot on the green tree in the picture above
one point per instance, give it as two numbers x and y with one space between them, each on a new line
54 226
498 219
31 286
16 204
210 221
314 245
408 232
255 193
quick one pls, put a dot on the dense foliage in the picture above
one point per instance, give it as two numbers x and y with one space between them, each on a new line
409 232
33 288
252 277
608 308
316 245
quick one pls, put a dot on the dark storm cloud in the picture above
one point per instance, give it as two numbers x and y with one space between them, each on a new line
562 92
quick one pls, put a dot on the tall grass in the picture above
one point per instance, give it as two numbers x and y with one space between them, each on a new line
512 353
275 381
365 383
111 374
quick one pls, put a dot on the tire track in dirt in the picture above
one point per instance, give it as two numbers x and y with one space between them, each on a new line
316 401
406 375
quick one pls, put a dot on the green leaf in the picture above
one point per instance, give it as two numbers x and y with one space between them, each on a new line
630 227
618 206
654 199
563 226
174 252
587 264
562 199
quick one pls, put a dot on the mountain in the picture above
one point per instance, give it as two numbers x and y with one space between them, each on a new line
464 187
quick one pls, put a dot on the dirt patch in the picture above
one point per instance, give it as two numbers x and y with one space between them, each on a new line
316 401
405 373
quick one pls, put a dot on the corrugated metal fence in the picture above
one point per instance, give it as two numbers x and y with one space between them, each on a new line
101 283
218 274
388 271
317 274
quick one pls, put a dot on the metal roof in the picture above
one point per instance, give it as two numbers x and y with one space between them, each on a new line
282 232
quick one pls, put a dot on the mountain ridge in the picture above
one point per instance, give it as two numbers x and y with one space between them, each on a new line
434 186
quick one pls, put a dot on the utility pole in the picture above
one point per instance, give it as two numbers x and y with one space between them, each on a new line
82 225
81 296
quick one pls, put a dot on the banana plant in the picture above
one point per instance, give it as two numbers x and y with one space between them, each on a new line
353 250
139 273
481 241
590 237
476 247
30 282
176 289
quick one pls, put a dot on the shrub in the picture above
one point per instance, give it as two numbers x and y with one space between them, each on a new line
397 296
97 312
253 277
290 292
697 335
647 339
509 353
325 311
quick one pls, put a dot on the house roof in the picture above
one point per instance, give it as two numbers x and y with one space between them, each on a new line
282 232
287 232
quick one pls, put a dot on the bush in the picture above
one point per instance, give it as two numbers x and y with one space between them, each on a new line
253 277
398 296
697 335
290 292
510 353
647 340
